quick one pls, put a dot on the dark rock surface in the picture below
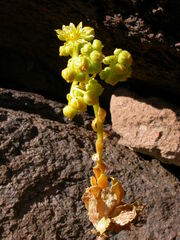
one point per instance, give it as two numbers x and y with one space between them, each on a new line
45 164
148 29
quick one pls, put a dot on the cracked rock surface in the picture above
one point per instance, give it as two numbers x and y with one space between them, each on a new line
45 164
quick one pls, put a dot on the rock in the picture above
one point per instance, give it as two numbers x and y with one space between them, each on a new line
30 49
147 125
45 165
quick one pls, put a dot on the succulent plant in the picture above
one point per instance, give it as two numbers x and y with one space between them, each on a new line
102 200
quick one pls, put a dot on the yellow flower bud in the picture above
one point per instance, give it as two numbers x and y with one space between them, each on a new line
96 57
119 68
109 59
78 104
69 112
117 51
94 67
86 49
105 73
66 50
125 58
62 51
81 63
97 45
68 74
81 76
90 98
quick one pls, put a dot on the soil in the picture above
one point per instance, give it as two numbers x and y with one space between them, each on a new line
45 167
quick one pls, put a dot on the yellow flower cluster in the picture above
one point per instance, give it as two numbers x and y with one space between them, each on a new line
119 67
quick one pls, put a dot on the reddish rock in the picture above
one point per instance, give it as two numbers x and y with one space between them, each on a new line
147 125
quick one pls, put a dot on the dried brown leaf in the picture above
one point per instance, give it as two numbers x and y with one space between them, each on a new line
127 214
